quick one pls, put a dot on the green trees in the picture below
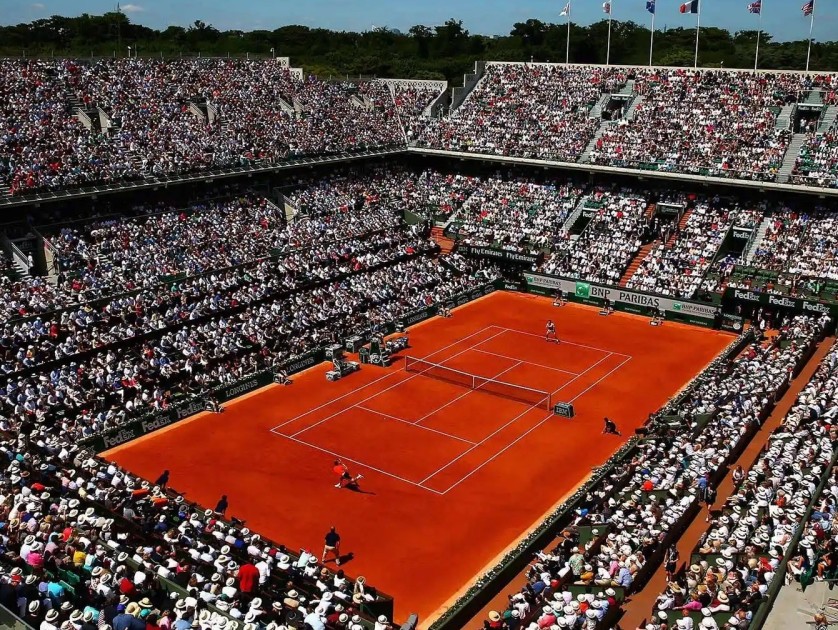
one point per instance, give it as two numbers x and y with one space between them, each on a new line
447 51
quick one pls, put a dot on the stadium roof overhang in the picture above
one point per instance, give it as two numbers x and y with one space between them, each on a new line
154 183
250 171
612 170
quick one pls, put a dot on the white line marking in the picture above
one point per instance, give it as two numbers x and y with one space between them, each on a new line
376 394
381 378
491 435
546 367
599 380
540 422
413 424
565 343
500 452
359 463
461 396
581 374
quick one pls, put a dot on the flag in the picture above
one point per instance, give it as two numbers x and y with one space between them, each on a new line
606 6
650 6
566 10
808 8
755 7
690 7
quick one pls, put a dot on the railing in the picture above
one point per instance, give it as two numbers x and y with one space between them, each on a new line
682 178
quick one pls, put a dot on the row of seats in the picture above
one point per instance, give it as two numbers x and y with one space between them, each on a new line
738 557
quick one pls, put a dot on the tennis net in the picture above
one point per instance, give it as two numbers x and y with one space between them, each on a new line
534 397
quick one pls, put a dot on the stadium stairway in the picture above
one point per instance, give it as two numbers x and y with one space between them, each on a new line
635 263
638 607
790 157
814 97
828 119
785 116
586 154
445 243
596 110
651 209
628 88
761 230
681 225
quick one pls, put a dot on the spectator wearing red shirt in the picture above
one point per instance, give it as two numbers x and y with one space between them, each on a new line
248 577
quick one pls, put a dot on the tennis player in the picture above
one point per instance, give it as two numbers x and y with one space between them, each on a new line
610 427
550 332
344 478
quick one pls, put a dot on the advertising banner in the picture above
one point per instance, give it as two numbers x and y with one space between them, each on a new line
623 299
502 255
798 305
165 417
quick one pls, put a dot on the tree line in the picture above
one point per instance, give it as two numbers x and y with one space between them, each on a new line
446 51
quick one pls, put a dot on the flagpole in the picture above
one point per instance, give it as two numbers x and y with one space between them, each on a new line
652 37
608 48
759 33
811 26
567 50
697 29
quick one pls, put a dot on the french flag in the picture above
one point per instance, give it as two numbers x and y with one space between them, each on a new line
690 7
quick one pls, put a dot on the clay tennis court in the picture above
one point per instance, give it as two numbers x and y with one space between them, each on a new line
453 476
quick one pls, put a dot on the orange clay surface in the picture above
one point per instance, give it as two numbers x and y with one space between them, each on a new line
452 477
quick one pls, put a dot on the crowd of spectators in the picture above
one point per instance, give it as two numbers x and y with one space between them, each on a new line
168 117
677 265
703 122
738 557
91 367
632 510
781 240
537 111
817 163
87 545
610 240
517 213
814 557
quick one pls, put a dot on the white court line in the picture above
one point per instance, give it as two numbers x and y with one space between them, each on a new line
359 463
599 380
500 452
461 396
368 398
564 343
402 420
483 441
466 452
381 378
537 425
581 374
546 367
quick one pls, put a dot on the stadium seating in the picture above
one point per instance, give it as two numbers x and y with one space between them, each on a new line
731 570
708 123
609 241
535 111
70 123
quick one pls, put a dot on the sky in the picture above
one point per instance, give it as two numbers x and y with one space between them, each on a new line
782 18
